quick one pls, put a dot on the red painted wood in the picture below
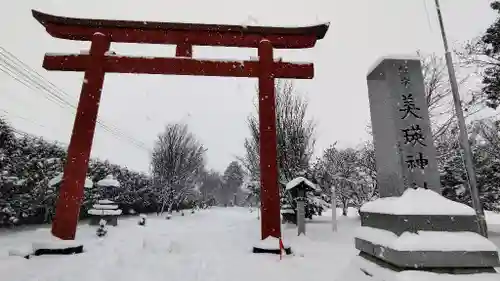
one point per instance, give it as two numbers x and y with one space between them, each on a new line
184 50
176 33
178 66
269 195
75 170
198 38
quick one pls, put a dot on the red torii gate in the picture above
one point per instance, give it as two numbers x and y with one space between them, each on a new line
184 35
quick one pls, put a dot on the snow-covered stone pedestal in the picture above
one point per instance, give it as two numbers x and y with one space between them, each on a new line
105 210
366 268
47 244
56 246
421 230
271 245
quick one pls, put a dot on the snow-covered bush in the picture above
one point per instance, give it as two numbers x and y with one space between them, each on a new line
102 230
142 220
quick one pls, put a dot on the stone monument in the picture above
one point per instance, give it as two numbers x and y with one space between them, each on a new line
402 135
412 232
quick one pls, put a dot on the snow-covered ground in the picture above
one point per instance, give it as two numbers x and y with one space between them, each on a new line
210 245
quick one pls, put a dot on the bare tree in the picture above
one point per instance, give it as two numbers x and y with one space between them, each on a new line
252 189
177 161
352 172
367 165
438 93
477 54
339 168
295 135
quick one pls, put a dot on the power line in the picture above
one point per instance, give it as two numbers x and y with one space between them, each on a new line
15 130
7 113
25 75
31 74
55 93
26 80
428 16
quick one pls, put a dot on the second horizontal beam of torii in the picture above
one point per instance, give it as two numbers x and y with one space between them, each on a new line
177 66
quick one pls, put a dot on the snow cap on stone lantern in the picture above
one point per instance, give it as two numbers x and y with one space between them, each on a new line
108 181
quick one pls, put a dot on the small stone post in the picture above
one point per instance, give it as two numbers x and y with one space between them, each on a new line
334 209
301 212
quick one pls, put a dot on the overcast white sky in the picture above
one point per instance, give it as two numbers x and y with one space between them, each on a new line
216 108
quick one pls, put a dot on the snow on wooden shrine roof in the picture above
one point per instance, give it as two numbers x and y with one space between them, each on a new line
286 37
296 181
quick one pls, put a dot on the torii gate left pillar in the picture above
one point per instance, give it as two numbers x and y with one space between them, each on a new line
99 61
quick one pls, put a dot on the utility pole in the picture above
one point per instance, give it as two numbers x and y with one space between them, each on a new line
464 140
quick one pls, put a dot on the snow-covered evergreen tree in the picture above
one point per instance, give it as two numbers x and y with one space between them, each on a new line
8 144
295 137
230 193
211 183
27 166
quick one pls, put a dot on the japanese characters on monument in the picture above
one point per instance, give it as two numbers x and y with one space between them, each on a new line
413 135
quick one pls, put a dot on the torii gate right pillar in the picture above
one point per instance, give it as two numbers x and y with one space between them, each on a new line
269 195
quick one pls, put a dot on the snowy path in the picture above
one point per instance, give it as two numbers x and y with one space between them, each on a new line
211 245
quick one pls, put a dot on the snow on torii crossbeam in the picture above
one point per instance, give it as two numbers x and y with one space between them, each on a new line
99 61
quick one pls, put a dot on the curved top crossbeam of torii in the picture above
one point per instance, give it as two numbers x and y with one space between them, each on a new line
181 33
